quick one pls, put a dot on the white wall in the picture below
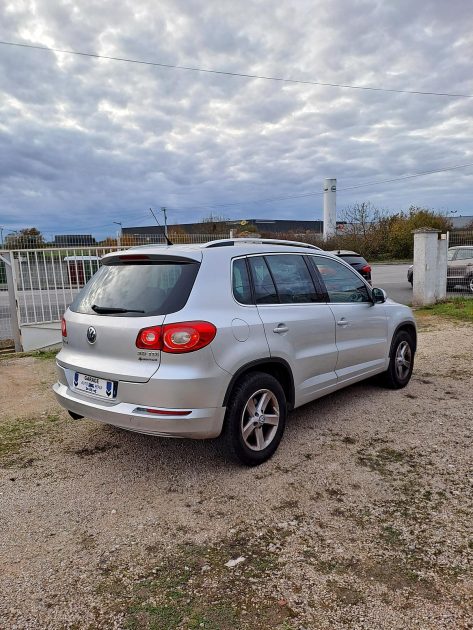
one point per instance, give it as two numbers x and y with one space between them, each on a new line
40 336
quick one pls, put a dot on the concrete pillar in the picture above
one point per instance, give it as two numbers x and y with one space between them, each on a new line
430 266
330 208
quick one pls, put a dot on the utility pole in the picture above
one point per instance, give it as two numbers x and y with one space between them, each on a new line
1 236
163 210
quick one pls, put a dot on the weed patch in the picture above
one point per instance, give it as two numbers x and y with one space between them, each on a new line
16 434
193 588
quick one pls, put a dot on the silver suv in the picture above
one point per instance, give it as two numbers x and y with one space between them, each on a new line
224 339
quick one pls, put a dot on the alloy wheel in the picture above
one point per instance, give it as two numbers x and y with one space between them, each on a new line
260 420
403 360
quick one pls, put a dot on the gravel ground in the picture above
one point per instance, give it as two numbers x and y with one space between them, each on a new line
363 519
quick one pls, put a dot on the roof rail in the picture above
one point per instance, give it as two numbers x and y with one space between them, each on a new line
228 242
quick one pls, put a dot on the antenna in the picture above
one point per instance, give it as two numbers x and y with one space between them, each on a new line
168 241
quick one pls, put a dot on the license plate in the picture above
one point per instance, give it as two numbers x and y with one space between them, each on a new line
95 386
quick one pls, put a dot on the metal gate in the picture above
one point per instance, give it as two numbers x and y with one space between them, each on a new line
460 263
6 332
37 285
47 280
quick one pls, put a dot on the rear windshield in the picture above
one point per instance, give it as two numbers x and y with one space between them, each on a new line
352 259
137 289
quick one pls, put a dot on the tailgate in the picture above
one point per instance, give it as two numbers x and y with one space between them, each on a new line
114 354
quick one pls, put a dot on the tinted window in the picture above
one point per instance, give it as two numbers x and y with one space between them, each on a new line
241 282
154 288
293 280
451 254
357 260
342 284
265 291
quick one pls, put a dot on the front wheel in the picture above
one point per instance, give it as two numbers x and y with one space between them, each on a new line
401 362
469 284
255 418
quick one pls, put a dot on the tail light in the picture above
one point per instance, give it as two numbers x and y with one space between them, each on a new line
177 338
366 269
63 327
149 338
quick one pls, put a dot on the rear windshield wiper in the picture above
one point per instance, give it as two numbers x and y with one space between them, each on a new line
112 309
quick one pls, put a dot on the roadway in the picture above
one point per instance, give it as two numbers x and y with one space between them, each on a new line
393 279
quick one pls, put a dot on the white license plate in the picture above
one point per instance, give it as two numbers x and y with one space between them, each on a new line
95 386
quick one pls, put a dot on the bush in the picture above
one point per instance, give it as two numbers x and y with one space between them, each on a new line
374 234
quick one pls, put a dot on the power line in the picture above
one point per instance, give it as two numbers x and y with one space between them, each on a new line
317 193
301 196
234 74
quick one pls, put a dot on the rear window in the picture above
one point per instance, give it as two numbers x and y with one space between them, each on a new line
137 289
353 259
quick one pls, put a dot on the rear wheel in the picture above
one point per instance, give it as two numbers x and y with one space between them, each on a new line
255 418
401 362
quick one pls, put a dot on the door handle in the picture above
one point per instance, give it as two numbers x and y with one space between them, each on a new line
343 322
280 328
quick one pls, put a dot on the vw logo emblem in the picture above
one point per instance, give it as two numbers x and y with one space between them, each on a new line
91 334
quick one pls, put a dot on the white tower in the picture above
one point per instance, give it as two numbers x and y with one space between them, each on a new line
330 208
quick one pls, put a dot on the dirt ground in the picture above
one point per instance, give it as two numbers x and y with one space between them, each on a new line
363 519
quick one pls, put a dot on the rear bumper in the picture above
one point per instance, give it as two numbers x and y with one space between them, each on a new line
199 424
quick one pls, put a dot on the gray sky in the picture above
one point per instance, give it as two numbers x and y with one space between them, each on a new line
86 142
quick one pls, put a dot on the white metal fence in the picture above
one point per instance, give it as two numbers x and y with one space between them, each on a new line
45 280
48 279
460 263
6 334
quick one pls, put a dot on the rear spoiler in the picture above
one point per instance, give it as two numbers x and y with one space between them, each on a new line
137 258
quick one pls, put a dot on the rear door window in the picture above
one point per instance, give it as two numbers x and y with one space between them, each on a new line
292 277
265 291
137 289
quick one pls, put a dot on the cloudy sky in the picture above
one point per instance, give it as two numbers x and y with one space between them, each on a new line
85 142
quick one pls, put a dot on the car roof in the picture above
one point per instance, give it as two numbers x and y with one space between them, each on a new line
225 248
461 247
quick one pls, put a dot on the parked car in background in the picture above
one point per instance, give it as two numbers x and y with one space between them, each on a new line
224 339
410 274
356 261
459 268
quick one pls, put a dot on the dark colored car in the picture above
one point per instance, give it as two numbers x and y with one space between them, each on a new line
356 261
410 274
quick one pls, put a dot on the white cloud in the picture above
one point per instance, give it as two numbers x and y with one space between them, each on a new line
84 142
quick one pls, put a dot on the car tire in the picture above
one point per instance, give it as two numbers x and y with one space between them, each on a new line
469 284
255 419
401 361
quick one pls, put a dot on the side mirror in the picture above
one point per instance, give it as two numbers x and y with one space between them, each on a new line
379 296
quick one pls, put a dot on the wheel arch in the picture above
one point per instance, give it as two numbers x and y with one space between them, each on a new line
278 368
407 326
